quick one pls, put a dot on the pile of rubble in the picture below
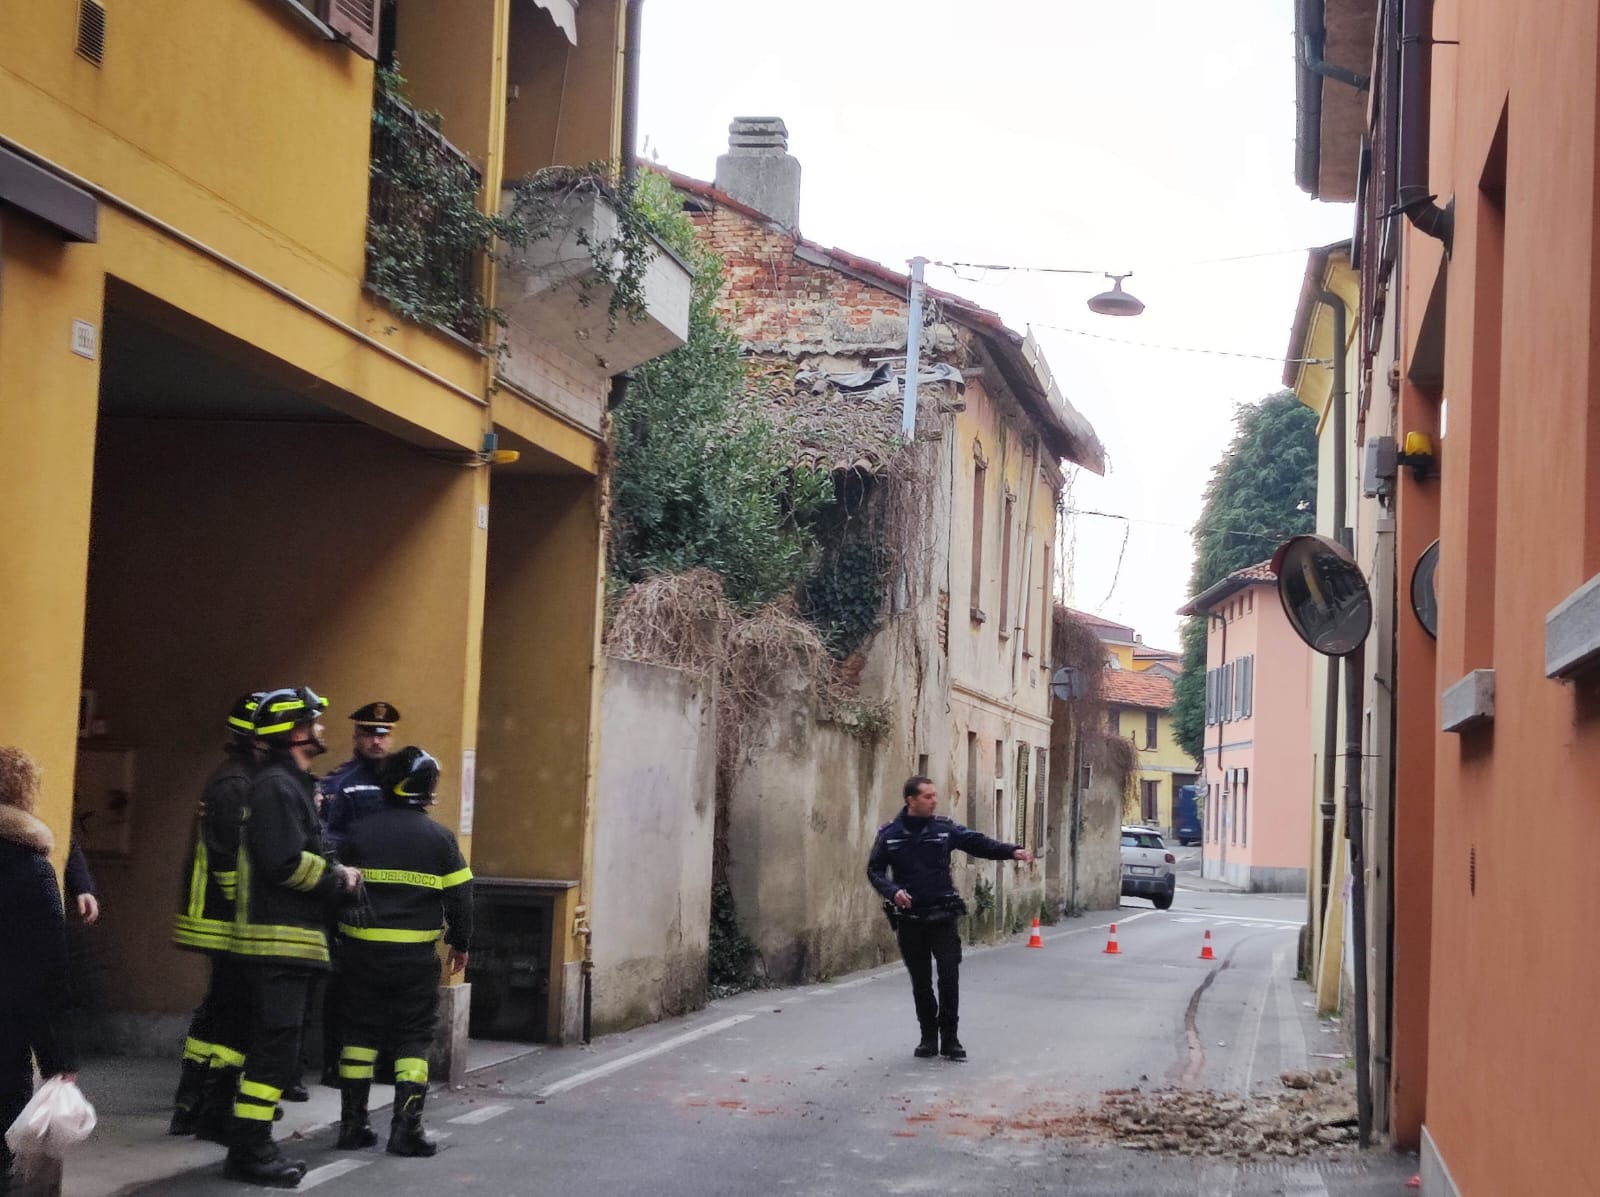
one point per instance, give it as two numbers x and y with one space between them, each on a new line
1315 1113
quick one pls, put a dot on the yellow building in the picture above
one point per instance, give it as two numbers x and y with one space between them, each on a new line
231 464
1137 690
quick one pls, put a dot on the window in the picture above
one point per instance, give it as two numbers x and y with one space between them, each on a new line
999 787
972 779
1152 720
1114 722
1006 621
1025 599
1233 789
1147 801
1024 792
1211 697
980 483
1244 800
1041 760
1047 596
1250 685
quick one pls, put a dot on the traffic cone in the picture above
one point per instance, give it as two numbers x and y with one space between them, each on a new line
1033 940
1205 947
1111 944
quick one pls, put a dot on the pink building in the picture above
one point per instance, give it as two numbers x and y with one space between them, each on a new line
1257 768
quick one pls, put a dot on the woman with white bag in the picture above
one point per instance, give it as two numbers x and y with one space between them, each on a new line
33 965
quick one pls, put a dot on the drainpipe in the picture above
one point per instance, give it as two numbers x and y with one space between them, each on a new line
1413 197
633 24
1355 830
1311 59
1341 533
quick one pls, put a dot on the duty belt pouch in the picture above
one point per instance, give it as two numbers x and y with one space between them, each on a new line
892 913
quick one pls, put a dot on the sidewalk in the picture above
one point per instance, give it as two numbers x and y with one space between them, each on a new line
132 1097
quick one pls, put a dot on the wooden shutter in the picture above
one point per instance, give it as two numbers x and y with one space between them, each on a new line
356 23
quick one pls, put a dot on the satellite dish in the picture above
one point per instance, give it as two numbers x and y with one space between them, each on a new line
1323 593
1424 590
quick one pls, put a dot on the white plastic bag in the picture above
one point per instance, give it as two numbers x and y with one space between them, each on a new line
57 1117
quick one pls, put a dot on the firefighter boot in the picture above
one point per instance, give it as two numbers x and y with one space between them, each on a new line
405 1131
186 1101
216 1105
355 1131
255 1159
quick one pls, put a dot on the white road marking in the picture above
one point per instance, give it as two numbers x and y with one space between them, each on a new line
1230 920
1143 914
1217 1180
855 983
322 1175
481 1114
632 1058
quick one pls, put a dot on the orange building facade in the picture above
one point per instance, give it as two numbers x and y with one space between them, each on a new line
1481 128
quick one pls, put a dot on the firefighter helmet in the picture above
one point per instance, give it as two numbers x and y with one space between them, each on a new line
241 720
410 777
279 712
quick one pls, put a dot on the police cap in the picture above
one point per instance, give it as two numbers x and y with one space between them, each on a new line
377 717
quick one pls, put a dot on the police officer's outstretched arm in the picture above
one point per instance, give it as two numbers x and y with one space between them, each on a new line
975 843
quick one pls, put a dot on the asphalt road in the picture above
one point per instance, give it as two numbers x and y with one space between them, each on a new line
814 1090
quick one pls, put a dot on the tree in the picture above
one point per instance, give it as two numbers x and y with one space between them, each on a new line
1263 490
701 471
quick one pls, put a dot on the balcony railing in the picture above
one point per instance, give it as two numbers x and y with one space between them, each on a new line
425 234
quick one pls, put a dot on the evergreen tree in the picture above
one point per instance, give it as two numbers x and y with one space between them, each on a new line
1263 490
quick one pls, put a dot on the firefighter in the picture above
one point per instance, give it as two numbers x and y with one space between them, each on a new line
213 1052
286 890
416 892
349 792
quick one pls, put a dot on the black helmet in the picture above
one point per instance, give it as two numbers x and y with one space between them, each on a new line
410 777
241 720
279 712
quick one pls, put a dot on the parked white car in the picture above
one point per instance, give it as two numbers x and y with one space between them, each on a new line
1147 867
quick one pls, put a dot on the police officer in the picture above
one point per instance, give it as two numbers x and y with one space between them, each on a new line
352 791
286 888
417 891
349 792
213 1052
910 867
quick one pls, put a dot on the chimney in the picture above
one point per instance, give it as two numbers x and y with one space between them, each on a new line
757 169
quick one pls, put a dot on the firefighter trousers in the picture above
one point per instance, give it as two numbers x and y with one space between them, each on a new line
391 1001
220 1025
277 1003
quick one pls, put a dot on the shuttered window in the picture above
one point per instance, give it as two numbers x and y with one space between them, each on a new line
356 22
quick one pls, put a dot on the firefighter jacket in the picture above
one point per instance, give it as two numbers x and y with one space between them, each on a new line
350 792
417 884
205 909
287 888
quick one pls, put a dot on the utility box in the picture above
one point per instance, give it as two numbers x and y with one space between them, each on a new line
1379 464
509 966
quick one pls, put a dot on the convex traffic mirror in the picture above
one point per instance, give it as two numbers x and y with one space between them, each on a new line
1323 594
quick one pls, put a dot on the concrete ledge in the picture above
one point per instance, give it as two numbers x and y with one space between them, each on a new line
1436 1178
1469 703
1572 632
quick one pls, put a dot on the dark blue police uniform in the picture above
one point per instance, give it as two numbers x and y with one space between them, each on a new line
913 854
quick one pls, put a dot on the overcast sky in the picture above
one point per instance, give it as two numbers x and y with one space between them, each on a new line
1146 135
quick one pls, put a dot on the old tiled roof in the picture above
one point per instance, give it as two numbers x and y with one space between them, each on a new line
1068 433
1123 688
1146 653
1102 626
1259 574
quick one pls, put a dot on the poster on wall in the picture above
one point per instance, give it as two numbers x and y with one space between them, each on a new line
469 780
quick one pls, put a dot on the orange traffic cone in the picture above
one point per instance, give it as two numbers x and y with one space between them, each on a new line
1111 944
1205 947
1033 940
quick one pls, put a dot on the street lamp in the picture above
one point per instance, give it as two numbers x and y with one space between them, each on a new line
1116 302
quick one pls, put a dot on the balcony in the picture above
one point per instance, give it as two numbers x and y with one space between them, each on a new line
557 294
425 236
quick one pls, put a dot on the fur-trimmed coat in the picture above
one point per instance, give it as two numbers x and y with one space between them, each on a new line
33 947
